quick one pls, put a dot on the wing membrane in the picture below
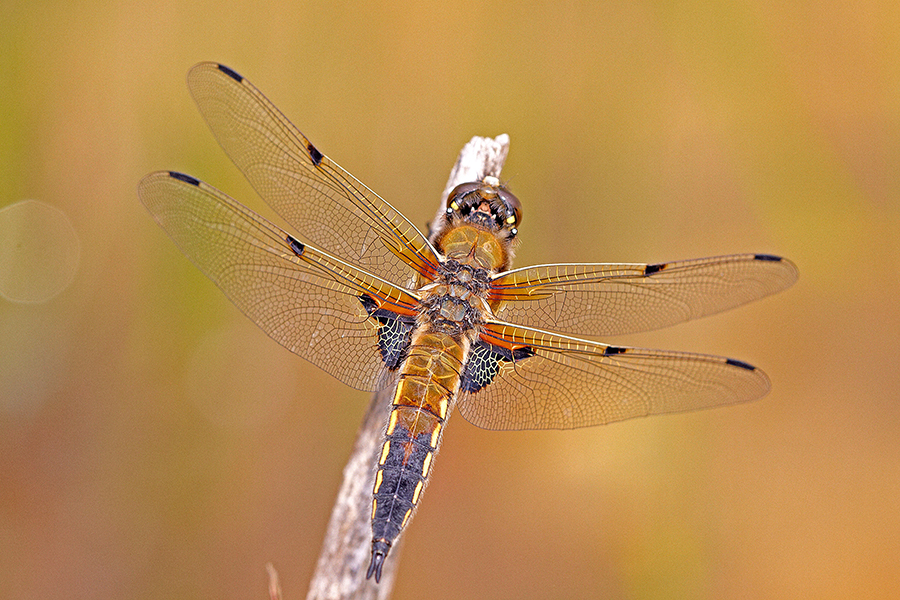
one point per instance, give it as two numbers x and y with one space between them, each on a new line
611 299
564 383
305 299
325 203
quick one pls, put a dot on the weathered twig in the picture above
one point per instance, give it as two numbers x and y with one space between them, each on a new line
340 572
478 159
274 586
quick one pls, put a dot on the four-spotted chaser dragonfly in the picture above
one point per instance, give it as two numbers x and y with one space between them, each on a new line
374 302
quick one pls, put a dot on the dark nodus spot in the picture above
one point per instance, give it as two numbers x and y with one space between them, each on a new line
615 350
314 154
296 246
651 269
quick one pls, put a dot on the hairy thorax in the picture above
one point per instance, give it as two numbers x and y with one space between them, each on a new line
474 246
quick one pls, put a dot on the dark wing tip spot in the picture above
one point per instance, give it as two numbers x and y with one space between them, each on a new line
740 363
184 178
768 257
314 154
296 246
615 350
233 74
651 269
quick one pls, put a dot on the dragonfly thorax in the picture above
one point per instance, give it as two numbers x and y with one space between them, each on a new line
455 273
476 247
455 303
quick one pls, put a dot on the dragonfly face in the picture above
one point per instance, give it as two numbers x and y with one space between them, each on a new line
479 225
485 204
366 297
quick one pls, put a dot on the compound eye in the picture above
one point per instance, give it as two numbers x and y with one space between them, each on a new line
514 207
455 198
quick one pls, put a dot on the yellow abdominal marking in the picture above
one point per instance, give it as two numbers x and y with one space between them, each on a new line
417 492
374 507
435 434
392 423
398 395
378 477
406 518
426 464
384 452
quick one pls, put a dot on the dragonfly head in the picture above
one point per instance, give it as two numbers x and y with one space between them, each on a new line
486 204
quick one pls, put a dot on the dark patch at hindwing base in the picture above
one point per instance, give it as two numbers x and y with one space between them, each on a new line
483 364
394 332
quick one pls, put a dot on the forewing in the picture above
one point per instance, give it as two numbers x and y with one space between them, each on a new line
326 204
611 299
310 302
530 379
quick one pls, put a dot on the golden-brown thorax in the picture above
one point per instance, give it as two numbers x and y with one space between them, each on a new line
475 247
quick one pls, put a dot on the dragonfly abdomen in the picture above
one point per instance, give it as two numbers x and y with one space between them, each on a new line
429 381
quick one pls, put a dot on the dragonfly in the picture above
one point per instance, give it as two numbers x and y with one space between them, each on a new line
444 320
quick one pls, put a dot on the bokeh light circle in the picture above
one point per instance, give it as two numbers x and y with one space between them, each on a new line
39 252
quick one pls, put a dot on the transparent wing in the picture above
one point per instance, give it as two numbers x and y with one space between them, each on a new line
611 299
558 382
305 299
326 204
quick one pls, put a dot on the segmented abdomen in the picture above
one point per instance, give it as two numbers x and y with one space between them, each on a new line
429 381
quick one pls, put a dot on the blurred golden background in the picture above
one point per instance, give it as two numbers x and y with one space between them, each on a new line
156 444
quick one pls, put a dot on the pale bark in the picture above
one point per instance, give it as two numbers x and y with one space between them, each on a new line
341 570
